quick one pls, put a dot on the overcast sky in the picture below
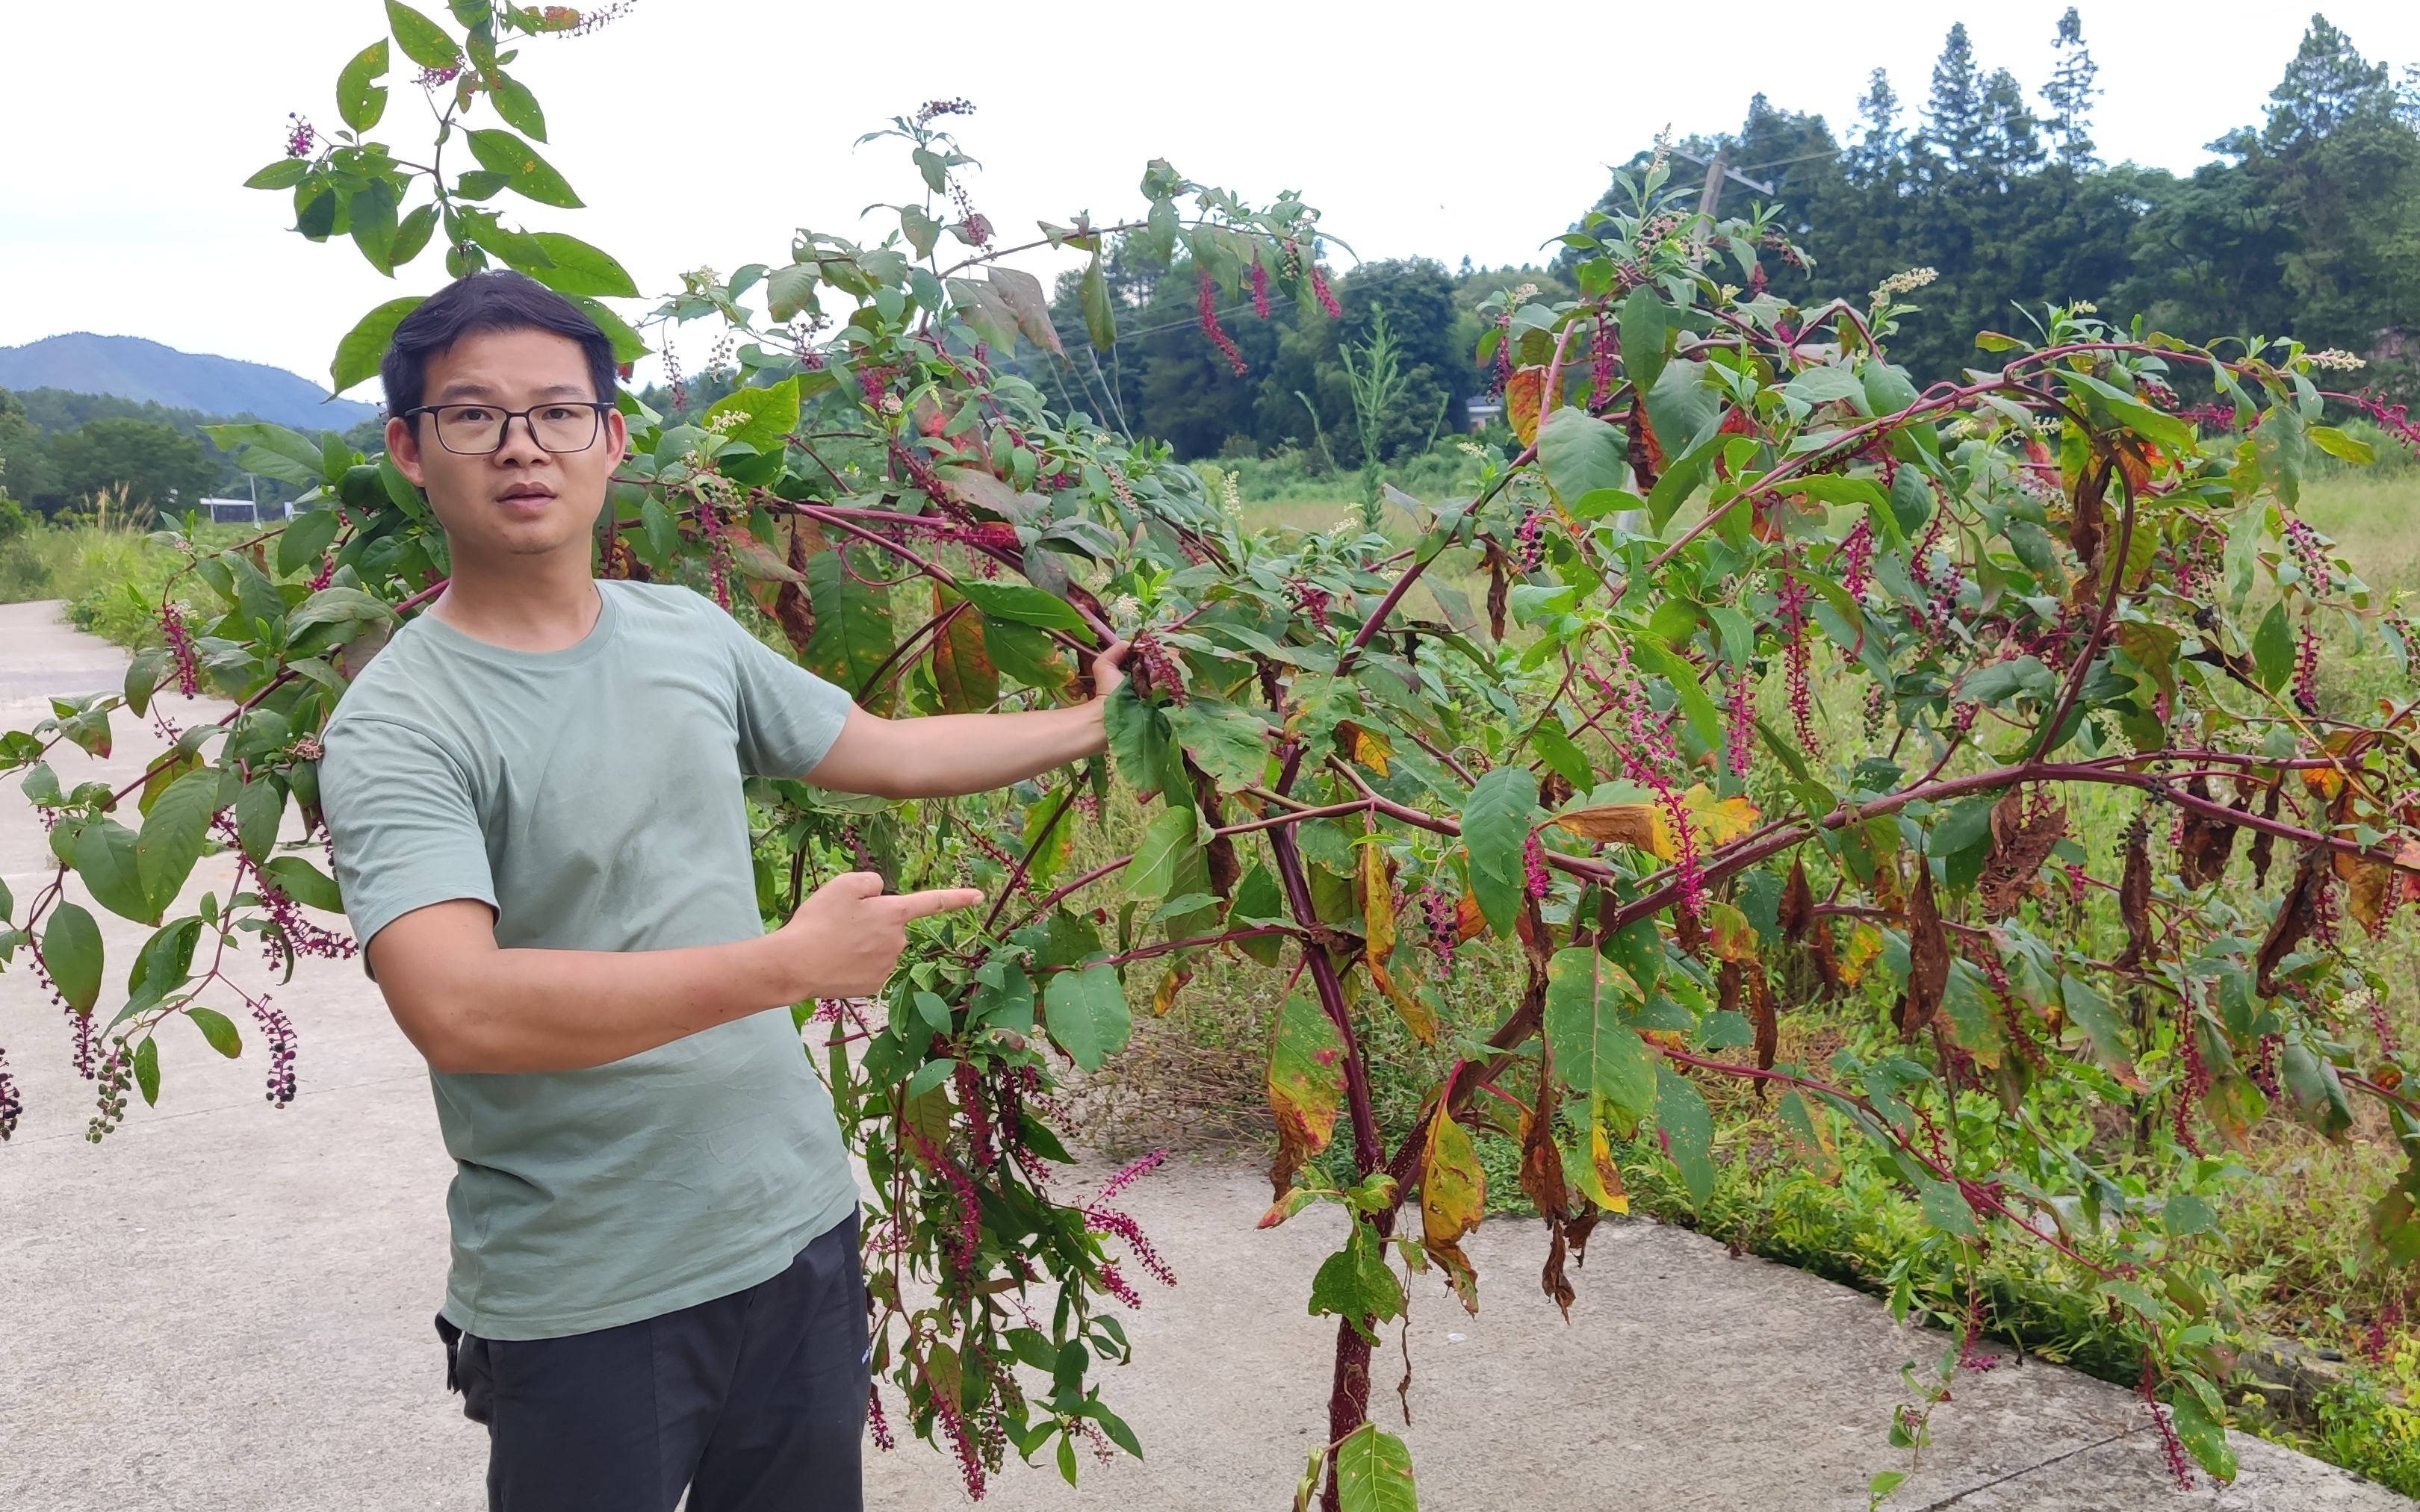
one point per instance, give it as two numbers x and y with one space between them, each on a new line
703 130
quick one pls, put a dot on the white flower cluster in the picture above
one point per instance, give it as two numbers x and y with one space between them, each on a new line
1470 448
2335 359
2082 307
726 422
1125 613
1906 283
701 279
1231 493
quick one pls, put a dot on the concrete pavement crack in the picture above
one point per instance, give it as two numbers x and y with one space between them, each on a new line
1957 1497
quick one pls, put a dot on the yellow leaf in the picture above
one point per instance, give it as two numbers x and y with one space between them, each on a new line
1305 1084
1865 944
1454 1197
1712 821
1378 924
1600 1177
1728 931
1163 997
1522 392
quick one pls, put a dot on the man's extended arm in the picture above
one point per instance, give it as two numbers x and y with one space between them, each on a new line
946 755
468 1005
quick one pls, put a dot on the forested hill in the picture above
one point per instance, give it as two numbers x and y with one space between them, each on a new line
131 367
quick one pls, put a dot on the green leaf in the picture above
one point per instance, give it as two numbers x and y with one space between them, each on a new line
271 451
144 674
1356 1283
1696 706
1597 1053
2203 1436
171 840
1138 738
1225 740
1160 856
1495 821
524 171
102 853
304 882
2137 416
1257 898
1689 1131
2272 649
1373 1472
2342 447
581 269
853 633
769 414
216 1028
628 346
1825 385
147 1070
259 810
305 538
71 953
516 104
1086 1011
930 1074
2088 1011
422 39
1644 331
1027 605
282 174
358 353
1581 454
411 235
1681 408
360 99
1100 313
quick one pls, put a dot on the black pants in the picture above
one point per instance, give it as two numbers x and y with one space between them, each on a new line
752 1403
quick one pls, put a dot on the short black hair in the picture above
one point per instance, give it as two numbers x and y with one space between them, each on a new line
498 300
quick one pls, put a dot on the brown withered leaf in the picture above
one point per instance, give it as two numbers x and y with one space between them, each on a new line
1225 869
2084 529
2204 842
1797 910
1541 1167
1552 1280
2297 912
2134 898
2021 842
2375 885
1499 589
793 610
1646 452
2264 844
1374 879
1928 956
1766 1021
1828 965
1730 981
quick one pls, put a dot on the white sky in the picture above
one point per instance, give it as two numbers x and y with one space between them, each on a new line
704 130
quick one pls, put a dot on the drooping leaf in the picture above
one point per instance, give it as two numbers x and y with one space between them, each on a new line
1086 1012
963 674
1376 888
1305 1085
1495 821
1597 1053
172 835
1687 1131
1454 1197
358 353
524 172
71 953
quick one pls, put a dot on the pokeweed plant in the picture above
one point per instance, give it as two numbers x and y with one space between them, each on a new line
2045 579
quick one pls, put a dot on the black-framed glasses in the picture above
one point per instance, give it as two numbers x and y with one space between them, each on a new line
478 429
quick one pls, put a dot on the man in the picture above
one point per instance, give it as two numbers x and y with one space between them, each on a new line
534 796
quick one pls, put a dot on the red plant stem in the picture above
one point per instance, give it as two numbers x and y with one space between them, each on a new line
1025 862
1403 584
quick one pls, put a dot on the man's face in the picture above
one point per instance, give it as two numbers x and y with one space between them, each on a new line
521 500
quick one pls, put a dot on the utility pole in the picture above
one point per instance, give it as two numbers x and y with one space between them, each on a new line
1714 193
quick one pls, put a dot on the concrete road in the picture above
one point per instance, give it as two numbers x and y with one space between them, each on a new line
227 1306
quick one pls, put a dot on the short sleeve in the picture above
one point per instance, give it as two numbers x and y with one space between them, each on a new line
399 814
788 716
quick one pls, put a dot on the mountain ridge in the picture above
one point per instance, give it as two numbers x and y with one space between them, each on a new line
136 367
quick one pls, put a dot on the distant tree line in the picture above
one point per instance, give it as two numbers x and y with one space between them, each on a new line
2307 224
63 450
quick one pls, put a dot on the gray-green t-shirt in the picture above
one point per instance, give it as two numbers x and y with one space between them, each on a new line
592 797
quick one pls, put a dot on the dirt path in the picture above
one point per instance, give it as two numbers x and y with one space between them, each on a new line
226 1305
